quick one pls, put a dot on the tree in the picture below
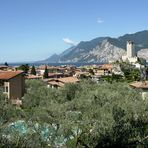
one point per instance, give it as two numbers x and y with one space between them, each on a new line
146 70
91 71
6 64
45 73
130 72
86 114
24 67
142 61
33 71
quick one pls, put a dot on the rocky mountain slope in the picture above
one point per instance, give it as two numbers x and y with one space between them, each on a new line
103 49
143 53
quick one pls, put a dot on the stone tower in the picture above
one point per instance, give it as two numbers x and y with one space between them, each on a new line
130 49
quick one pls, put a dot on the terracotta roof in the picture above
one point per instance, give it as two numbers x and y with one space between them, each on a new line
6 75
33 77
42 67
55 83
54 74
3 66
69 80
82 73
140 84
107 66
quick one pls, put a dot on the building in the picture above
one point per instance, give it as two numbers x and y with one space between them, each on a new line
143 86
81 74
56 83
130 55
33 77
105 69
55 75
130 49
4 67
12 83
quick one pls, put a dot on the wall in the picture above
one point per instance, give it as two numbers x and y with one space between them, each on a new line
144 93
17 87
7 84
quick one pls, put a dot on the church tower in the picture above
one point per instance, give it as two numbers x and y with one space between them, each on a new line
130 49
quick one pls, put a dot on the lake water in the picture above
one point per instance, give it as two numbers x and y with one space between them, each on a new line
55 64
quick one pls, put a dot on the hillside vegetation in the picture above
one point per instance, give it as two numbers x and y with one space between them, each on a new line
83 115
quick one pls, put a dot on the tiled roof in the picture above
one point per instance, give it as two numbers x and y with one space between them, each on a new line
54 74
107 66
33 77
69 80
3 66
82 73
55 83
6 75
42 67
140 84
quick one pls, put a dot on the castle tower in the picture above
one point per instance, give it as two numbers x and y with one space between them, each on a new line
130 49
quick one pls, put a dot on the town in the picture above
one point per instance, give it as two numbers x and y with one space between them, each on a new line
61 106
73 74
12 78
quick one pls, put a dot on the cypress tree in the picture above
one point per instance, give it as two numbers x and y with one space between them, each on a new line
33 71
45 73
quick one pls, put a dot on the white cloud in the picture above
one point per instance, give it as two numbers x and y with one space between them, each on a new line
69 41
99 20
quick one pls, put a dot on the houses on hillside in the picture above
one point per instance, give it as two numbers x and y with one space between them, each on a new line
58 72
12 81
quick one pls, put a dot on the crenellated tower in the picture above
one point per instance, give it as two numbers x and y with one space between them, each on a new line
130 49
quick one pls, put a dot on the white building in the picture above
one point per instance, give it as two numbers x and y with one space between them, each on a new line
131 55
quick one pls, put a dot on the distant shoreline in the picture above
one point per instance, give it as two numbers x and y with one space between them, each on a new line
52 64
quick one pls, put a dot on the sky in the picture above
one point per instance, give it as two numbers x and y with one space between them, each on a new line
32 30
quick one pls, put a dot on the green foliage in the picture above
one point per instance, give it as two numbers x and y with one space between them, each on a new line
131 73
69 91
6 64
33 71
142 61
146 71
83 115
113 78
45 73
24 67
91 71
7 111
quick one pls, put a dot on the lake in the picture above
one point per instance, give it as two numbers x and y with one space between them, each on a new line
54 64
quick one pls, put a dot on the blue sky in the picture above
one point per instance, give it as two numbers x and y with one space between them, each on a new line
34 29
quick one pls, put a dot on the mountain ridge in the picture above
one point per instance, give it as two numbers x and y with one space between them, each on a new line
102 49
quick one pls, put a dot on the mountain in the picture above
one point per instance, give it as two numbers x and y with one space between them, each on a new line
55 58
52 59
102 49
143 53
139 38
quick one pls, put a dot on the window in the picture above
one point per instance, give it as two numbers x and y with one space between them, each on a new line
6 88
